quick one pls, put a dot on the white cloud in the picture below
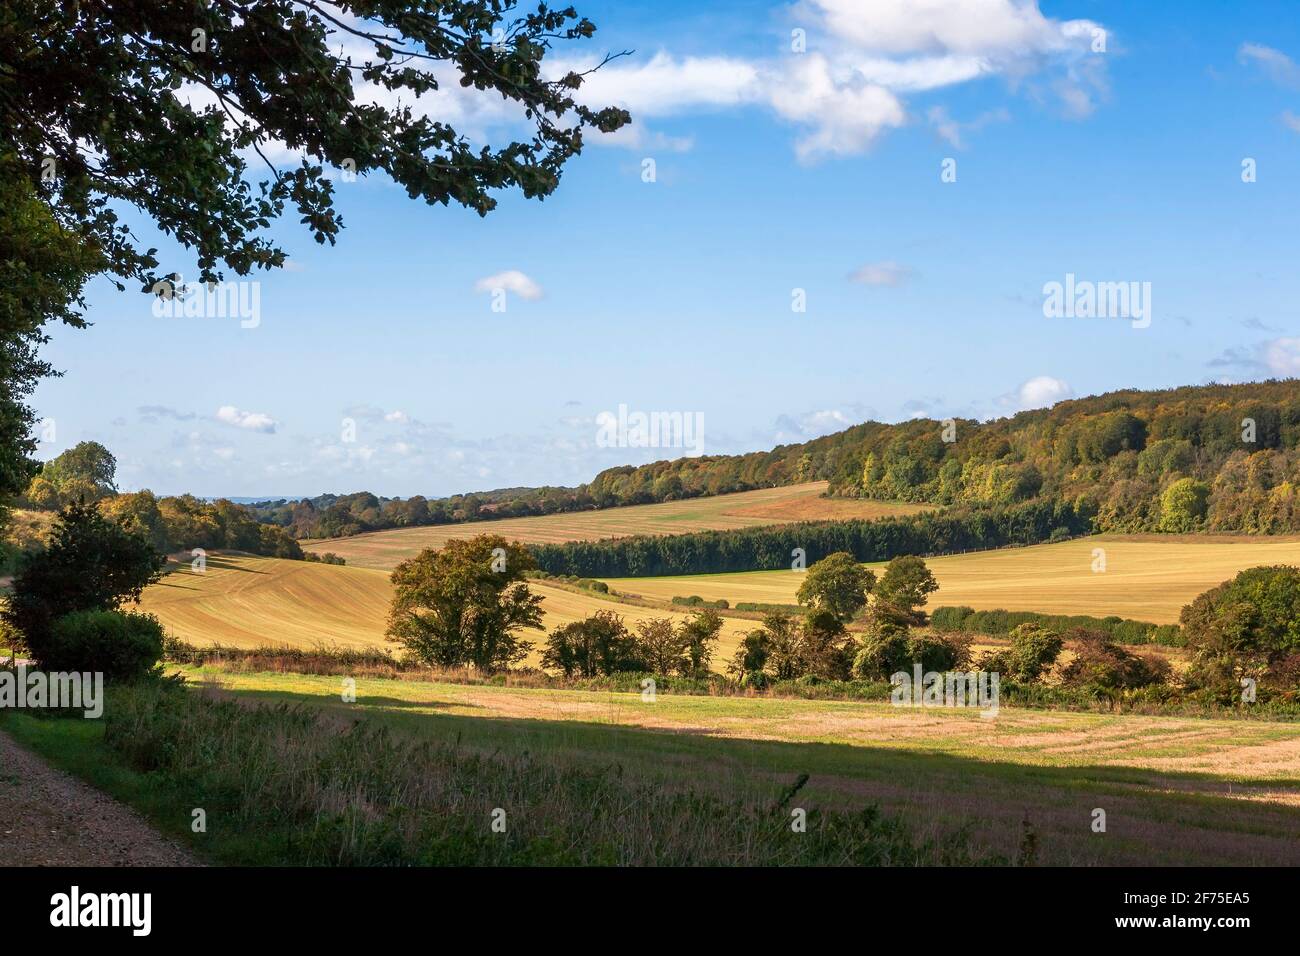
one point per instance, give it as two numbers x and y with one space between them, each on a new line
845 89
1282 357
665 85
253 421
399 417
1291 121
881 274
1041 391
995 29
1279 67
846 113
637 136
512 280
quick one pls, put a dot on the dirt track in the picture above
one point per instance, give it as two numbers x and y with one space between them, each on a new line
48 818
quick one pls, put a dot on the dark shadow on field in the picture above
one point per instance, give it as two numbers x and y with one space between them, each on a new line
172 571
395 703
1153 817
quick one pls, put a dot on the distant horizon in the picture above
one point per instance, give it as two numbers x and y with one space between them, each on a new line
254 499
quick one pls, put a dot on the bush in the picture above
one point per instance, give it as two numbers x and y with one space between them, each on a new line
1033 651
1102 666
887 652
123 646
89 564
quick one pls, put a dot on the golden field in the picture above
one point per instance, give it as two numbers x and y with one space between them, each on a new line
767 506
247 601
1147 577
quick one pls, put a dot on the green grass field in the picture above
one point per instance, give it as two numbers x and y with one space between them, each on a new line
1175 790
1147 577
386 549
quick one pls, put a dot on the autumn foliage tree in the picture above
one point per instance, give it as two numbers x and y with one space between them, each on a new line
465 604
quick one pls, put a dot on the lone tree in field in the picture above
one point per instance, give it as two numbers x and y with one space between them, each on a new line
161 105
902 592
463 606
837 584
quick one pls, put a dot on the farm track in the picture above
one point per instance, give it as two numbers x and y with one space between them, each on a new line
48 818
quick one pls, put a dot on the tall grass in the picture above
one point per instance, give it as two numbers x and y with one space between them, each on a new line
319 789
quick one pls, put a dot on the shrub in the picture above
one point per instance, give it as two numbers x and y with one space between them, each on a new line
880 655
596 645
89 564
1034 649
1101 665
935 653
123 646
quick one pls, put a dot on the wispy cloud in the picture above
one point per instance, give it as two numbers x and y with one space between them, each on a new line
881 274
1277 66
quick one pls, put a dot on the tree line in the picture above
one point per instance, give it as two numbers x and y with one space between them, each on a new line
776 547
86 474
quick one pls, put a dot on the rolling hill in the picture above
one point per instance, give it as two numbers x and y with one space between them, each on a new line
248 601
803 502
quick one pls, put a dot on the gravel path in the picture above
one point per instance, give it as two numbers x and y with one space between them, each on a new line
48 818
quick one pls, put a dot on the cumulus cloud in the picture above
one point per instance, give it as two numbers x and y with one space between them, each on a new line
991 29
844 90
1040 392
512 280
846 114
881 274
253 421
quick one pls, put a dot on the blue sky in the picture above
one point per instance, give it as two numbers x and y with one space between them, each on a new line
775 170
